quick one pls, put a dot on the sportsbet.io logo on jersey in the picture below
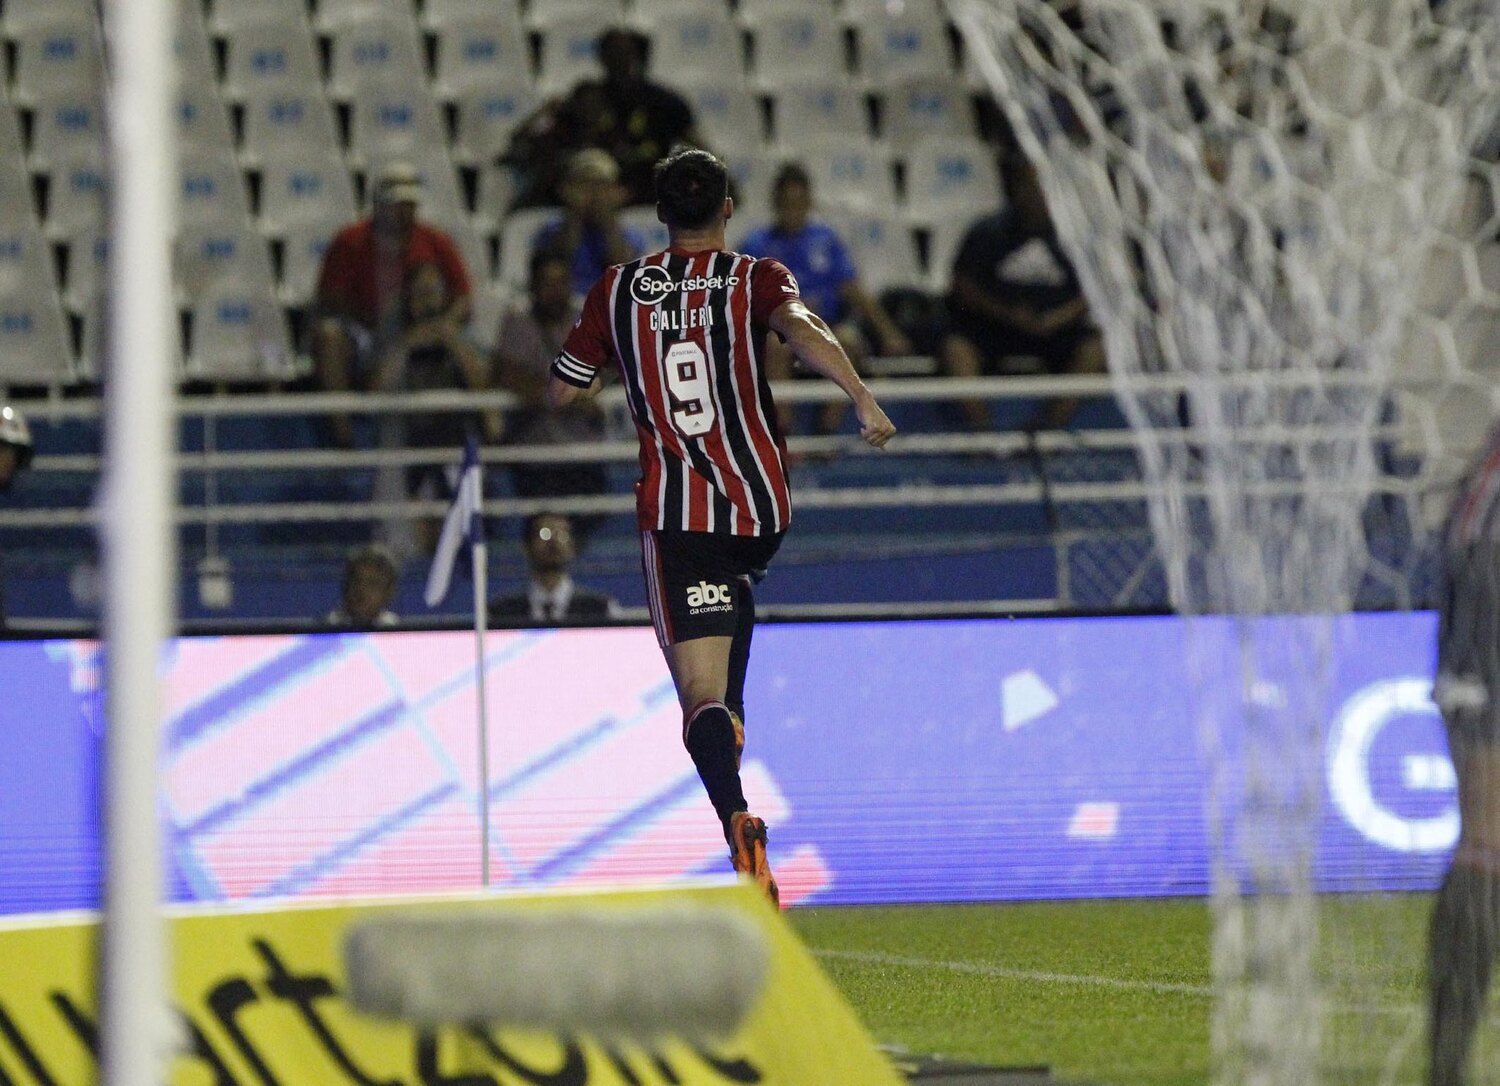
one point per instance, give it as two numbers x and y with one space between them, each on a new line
704 597
652 284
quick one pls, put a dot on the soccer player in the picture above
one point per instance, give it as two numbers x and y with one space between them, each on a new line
686 329
1465 933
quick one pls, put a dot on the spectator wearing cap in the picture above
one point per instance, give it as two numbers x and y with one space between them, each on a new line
15 454
361 293
589 233
367 591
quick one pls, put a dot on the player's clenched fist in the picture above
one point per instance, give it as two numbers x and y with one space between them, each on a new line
874 426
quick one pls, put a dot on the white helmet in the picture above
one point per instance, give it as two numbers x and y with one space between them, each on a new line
15 433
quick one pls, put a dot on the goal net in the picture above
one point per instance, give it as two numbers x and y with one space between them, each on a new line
1281 216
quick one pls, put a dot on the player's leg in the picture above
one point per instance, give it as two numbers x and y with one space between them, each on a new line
739 662
1464 939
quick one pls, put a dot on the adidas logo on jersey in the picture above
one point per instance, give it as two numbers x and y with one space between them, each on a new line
651 285
709 597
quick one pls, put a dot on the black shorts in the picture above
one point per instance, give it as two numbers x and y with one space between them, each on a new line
698 583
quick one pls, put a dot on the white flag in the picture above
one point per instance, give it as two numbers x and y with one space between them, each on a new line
464 521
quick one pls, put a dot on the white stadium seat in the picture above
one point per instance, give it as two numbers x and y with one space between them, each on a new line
696 45
239 332
62 120
193 51
477 53
305 186
398 120
19 16
516 235
77 189
883 247
859 11
488 116
726 115
806 111
34 343
62 52
335 16
275 53
850 172
753 12
924 106
381 48
228 17
212 189
202 120
88 264
790 43
282 120
224 251
437 14
950 175
895 48
752 172
302 251
546 15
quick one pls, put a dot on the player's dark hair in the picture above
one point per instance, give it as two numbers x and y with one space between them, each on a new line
792 173
691 186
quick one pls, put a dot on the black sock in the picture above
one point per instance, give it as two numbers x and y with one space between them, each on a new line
708 735
739 650
1461 959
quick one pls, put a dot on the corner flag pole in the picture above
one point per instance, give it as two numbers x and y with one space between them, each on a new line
481 627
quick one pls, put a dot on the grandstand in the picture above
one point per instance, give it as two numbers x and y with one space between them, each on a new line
287 110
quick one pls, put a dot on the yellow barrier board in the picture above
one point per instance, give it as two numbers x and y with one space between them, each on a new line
259 995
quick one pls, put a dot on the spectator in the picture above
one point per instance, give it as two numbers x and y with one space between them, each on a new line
639 120
430 353
361 288
551 594
1015 303
368 590
813 252
16 449
530 336
589 232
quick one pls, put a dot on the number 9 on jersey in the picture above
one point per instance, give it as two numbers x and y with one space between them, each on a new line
687 381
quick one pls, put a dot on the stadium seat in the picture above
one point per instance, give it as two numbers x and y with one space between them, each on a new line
724 115
335 16
202 120
788 43
648 13
883 247
282 120
19 16
397 120
15 181
63 119
275 53
860 11
805 111
545 15
380 48
925 106
497 191
239 332
77 189
949 175
487 117
212 189
850 172
213 252
490 300
943 240
437 14
570 49
516 235
88 263
62 52
893 48
34 345
228 17
302 249
751 173
691 46
194 52
478 53
305 186
752 13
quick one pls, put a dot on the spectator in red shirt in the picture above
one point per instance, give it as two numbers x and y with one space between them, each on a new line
361 289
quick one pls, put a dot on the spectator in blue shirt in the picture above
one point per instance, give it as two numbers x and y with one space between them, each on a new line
814 253
589 232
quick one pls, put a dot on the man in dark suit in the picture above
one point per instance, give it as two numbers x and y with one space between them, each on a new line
552 597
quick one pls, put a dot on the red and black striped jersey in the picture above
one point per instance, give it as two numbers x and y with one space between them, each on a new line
687 331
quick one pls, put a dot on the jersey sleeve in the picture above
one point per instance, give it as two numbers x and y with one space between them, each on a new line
588 345
771 285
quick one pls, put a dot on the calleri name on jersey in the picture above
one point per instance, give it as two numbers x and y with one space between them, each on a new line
687 332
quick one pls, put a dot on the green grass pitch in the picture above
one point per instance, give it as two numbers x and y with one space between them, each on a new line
1118 992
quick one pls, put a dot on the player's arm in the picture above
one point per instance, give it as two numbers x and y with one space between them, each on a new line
815 345
578 371
562 394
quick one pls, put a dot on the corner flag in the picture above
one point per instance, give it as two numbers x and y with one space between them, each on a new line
464 522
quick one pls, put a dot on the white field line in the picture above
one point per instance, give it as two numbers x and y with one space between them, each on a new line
1083 980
